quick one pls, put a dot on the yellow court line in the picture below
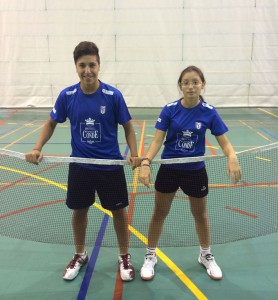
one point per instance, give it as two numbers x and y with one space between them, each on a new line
21 138
169 263
262 158
267 112
17 129
61 186
136 171
242 122
142 139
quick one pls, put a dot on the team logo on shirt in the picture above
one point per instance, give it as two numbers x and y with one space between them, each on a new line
90 131
198 125
186 141
102 110
90 121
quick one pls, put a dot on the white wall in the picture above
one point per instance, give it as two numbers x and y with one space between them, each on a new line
144 45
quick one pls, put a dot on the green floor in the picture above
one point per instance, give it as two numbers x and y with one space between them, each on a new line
33 270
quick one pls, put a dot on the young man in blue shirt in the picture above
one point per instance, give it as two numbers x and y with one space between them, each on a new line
94 110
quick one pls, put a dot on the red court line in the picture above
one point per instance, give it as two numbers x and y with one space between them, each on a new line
15 212
138 123
8 116
58 201
119 284
27 177
132 197
213 152
241 212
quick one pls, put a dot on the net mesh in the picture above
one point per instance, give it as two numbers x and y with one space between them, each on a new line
33 202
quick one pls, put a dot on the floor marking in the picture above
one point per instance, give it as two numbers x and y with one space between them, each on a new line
262 158
169 263
260 134
276 116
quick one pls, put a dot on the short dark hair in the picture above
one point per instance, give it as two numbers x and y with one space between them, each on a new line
192 69
85 48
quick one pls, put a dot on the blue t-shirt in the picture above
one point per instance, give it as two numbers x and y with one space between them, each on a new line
186 129
94 120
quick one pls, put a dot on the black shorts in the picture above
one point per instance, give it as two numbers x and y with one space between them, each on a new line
194 183
83 183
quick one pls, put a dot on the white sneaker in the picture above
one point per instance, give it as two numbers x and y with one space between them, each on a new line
126 268
147 270
210 264
77 262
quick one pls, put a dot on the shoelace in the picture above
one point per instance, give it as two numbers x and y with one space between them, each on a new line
148 260
72 264
210 259
126 262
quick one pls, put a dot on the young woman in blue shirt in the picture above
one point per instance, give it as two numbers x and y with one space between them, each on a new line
183 124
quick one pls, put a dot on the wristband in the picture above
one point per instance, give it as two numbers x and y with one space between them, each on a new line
145 165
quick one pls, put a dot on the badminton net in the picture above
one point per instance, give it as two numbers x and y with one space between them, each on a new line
33 201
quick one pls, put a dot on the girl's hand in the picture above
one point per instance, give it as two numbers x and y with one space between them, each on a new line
145 174
233 169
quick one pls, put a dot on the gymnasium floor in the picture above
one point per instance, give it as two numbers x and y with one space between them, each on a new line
33 270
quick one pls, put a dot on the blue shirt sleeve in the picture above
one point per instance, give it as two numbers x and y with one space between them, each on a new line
122 113
218 127
163 120
59 111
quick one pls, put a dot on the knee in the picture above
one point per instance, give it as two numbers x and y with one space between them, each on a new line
118 214
160 214
200 216
80 213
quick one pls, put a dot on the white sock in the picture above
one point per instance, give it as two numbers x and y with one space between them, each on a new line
205 251
150 251
82 254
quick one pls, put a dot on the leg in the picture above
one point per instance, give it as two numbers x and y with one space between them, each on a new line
121 228
199 212
162 207
79 225
198 209
163 202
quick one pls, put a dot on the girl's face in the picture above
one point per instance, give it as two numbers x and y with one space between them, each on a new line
191 85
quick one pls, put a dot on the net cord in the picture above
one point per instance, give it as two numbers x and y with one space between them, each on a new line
64 159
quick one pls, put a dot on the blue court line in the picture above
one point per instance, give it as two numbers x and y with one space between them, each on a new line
269 134
93 259
8 131
92 262
14 128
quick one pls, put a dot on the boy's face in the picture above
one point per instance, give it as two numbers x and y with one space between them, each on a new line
87 68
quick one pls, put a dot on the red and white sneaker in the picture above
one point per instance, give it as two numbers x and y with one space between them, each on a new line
77 262
126 268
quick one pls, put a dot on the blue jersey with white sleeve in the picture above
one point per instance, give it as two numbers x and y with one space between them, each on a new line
94 120
186 129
